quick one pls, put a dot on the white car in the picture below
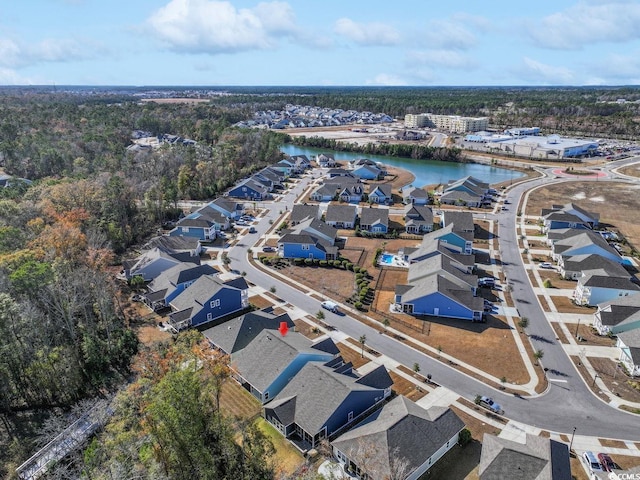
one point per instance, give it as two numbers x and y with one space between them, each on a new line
546 265
331 306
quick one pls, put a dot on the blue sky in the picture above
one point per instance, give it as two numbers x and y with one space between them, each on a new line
319 42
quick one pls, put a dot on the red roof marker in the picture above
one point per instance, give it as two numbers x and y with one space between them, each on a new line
284 328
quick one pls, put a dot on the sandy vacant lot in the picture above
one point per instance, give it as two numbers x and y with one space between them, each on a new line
618 203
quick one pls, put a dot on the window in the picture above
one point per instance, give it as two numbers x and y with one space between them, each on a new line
350 417
305 247
215 303
266 397
244 189
209 316
185 229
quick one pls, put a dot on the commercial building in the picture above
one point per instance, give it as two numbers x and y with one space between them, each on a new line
449 123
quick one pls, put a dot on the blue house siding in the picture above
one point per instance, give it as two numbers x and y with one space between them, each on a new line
457 243
378 228
155 268
294 250
356 402
224 302
365 174
555 224
440 305
178 290
245 192
601 295
288 373
594 249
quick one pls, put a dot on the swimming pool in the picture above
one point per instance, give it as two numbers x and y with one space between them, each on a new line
387 258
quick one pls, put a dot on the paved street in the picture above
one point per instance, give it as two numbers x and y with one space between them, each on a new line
568 403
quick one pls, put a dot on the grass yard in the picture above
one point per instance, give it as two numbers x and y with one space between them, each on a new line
287 458
591 337
475 425
616 379
626 461
235 401
406 388
565 305
260 302
350 355
306 329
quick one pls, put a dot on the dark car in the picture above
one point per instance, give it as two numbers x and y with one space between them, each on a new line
606 462
268 249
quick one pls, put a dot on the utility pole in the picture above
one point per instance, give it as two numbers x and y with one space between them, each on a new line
571 443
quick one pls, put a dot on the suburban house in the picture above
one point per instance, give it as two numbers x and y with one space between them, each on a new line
341 216
301 212
270 360
456 241
250 189
361 162
381 194
195 226
339 172
438 296
326 160
153 262
594 288
414 196
571 267
445 266
584 242
209 298
350 193
175 245
461 222
171 283
324 193
589 218
629 344
286 167
322 399
311 238
374 220
227 207
418 218
555 220
301 163
433 245
368 172
538 458
383 445
467 191
235 334
619 315
270 178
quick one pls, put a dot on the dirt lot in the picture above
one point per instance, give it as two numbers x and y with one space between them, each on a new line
616 379
597 197
402 386
565 304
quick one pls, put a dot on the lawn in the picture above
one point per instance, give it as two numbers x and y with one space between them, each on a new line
406 388
565 304
235 401
260 302
287 458
350 355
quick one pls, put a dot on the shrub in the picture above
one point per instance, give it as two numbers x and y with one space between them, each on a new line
323 263
358 305
357 269
358 276
298 260
349 266
547 283
308 261
464 437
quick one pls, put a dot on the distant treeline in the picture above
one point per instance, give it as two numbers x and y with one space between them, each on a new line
389 149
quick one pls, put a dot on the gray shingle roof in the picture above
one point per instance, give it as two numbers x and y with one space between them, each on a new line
319 391
237 333
631 339
394 432
173 244
341 213
538 459
443 265
200 292
438 283
181 273
604 281
372 216
460 221
578 263
268 355
301 212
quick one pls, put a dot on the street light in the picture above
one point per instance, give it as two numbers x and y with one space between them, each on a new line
594 380
577 327
571 443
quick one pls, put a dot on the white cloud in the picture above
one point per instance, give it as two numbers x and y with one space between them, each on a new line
386 79
536 72
15 55
368 34
211 26
449 35
588 23
450 59
619 69
11 77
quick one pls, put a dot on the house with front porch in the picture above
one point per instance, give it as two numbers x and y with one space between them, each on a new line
583 243
302 212
381 194
207 300
227 207
374 220
629 344
572 266
461 199
438 296
171 283
368 172
458 242
271 359
415 196
418 219
324 193
591 219
432 246
383 445
323 399
326 160
446 267
560 220
351 193
341 216
250 190
192 226
594 288
303 245
618 315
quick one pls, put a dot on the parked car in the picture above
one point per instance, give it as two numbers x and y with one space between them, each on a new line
252 230
504 209
487 282
268 249
489 404
593 465
331 306
546 265
607 463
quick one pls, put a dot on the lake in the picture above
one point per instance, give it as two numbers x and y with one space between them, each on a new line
427 172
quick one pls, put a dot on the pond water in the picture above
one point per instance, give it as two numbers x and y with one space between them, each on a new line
427 172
